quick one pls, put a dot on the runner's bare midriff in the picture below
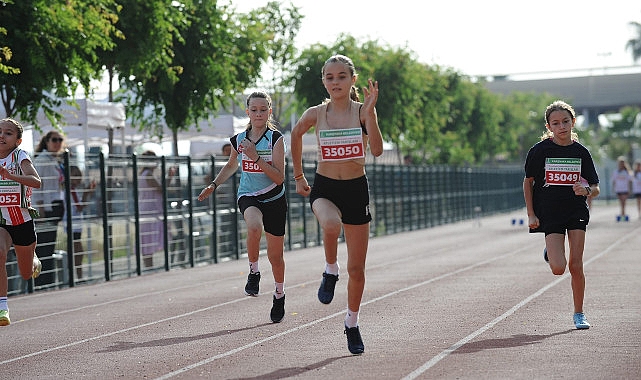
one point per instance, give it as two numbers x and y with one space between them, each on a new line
341 170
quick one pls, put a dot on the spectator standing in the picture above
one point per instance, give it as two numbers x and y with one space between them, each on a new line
621 180
636 185
79 198
49 200
150 208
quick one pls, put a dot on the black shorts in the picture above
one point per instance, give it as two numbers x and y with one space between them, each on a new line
23 234
351 196
557 220
274 212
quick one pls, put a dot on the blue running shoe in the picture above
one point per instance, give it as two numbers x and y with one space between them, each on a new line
545 255
326 290
580 322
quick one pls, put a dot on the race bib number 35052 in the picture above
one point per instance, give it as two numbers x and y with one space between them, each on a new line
341 144
9 193
562 171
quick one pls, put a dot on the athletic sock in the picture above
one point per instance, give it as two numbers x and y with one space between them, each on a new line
253 267
279 292
3 303
332 268
351 318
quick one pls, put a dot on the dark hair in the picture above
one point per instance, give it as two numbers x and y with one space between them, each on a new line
16 123
261 95
558 105
353 92
42 145
75 171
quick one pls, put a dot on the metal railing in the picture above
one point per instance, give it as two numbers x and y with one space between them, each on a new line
402 198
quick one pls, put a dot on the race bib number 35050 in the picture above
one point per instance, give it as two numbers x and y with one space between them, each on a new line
562 171
341 144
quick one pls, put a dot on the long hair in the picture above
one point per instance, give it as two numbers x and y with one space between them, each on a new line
353 92
559 105
262 95
42 145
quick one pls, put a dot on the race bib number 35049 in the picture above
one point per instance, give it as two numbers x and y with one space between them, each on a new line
341 144
562 171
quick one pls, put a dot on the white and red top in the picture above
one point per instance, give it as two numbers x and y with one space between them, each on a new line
15 198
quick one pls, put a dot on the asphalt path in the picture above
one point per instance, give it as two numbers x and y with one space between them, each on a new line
472 300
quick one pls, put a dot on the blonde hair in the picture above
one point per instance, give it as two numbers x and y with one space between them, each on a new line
261 95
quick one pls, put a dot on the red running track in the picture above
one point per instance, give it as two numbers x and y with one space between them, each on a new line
461 301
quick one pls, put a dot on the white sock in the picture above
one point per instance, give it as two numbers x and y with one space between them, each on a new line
351 318
331 268
279 292
253 267
3 303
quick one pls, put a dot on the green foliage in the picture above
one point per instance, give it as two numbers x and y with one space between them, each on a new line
279 25
54 46
634 44
145 42
624 134
216 54
436 115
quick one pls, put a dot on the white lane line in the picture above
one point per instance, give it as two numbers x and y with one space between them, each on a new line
342 312
118 300
228 353
430 363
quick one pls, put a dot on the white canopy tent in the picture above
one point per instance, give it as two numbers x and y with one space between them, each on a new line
88 124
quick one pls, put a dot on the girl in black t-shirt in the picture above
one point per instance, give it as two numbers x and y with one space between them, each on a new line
555 198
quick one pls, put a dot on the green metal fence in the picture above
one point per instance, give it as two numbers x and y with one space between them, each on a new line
402 198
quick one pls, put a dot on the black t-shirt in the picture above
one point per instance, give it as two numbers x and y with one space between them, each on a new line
548 153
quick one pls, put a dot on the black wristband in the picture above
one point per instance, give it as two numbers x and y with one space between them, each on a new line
215 185
589 190
258 159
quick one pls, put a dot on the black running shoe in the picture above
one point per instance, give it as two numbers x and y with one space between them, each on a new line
278 309
545 255
326 290
251 289
354 340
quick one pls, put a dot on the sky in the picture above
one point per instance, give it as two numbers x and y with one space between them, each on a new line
491 37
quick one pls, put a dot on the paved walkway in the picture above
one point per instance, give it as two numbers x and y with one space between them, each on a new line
460 301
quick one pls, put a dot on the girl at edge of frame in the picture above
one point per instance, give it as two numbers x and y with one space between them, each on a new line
261 194
16 224
339 196
636 185
554 208
621 181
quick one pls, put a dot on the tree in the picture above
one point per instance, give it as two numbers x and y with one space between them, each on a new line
523 122
280 27
624 135
5 52
634 44
145 43
54 48
218 55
